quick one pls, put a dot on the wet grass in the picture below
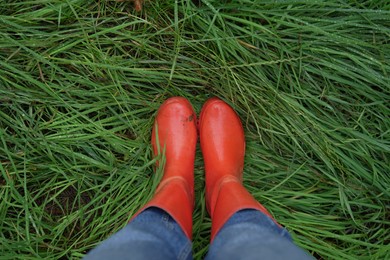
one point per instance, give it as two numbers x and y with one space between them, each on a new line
80 83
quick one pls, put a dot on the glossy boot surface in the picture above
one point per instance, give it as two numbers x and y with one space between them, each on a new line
174 134
223 146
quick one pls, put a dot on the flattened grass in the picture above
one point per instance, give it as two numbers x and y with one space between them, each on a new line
80 83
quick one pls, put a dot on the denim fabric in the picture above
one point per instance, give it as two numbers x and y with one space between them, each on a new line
250 234
153 234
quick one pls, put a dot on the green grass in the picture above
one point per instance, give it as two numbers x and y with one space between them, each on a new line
81 81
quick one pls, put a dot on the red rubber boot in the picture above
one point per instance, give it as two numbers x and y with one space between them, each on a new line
175 125
223 146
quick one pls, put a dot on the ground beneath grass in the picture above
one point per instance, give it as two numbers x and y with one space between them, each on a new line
81 81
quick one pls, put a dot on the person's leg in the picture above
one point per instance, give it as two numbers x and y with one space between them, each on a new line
250 234
153 234
223 146
174 137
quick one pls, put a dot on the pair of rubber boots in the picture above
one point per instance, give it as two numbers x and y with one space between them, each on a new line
223 146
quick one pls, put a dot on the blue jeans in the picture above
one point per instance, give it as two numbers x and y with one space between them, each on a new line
153 234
